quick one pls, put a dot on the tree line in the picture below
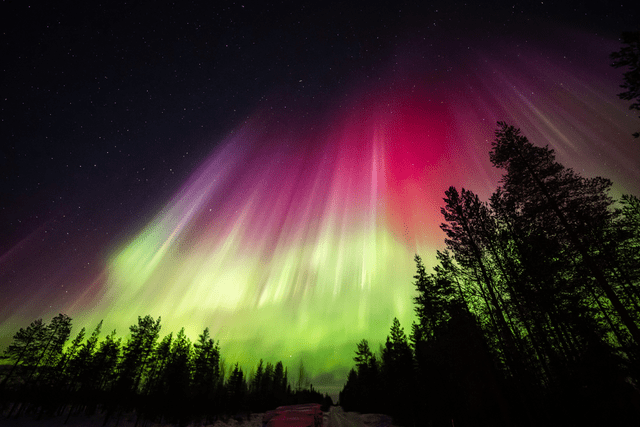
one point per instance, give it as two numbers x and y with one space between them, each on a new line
531 314
158 379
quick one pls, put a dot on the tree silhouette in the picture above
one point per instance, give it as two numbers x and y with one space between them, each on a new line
156 380
363 355
303 378
172 390
279 379
52 343
629 56
82 372
397 371
236 390
465 232
574 210
206 372
25 349
137 354
625 238
105 362
178 371
530 315
172 380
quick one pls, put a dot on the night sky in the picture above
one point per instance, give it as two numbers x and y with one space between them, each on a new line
269 172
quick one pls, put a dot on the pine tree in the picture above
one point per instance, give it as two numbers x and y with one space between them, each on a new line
397 370
206 372
303 378
25 349
53 340
81 370
256 383
104 363
367 384
575 211
138 353
436 294
625 237
178 371
629 56
236 390
363 356
156 377
268 384
68 355
279 381
465 236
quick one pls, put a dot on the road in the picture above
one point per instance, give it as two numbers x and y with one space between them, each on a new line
338 418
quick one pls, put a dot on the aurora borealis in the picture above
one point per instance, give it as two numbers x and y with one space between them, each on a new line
291 232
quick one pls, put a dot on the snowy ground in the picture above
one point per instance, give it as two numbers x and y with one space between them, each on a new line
336 417
126 420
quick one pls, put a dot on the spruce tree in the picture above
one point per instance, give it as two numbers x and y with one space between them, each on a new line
206 361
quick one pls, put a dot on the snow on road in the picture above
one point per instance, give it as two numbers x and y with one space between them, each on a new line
336 417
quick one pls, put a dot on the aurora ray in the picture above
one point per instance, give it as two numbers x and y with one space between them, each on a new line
297 243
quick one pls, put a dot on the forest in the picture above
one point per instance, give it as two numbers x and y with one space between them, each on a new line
530 316
163 380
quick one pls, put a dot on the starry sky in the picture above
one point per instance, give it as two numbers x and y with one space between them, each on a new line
269 172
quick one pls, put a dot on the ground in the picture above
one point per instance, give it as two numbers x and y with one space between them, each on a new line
336 417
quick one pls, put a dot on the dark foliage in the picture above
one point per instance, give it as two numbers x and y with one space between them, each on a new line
530 316
168 379
629 56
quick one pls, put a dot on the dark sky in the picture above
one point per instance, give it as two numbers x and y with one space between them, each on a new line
118 103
